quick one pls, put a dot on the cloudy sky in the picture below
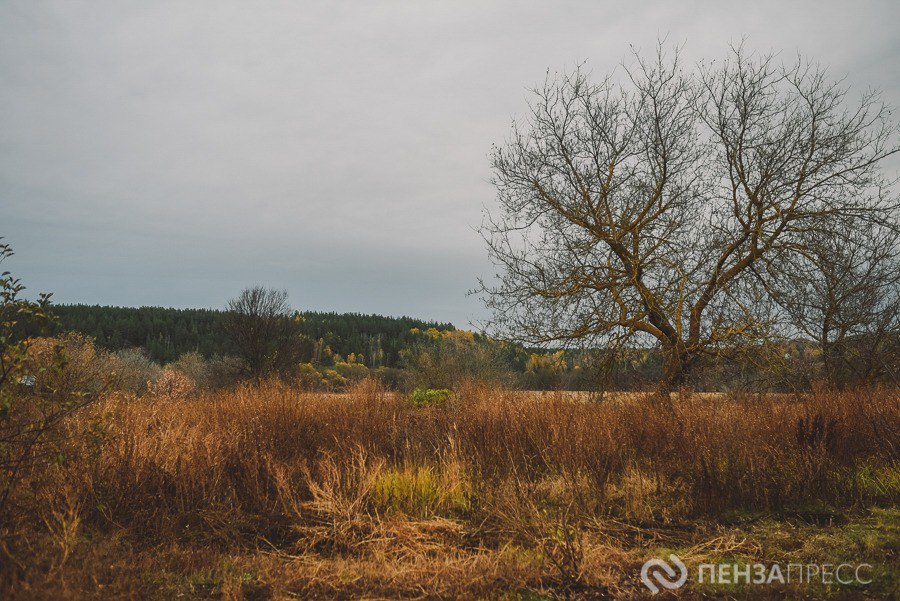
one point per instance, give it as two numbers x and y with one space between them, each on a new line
170 153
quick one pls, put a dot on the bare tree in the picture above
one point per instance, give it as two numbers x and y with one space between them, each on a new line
656 209
263 329
844 294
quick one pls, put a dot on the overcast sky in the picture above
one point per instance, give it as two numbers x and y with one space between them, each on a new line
170 153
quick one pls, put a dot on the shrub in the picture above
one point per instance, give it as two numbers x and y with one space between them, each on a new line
353 372
309 378
132 370
67 365
225 372
334 381
423 397
391 377
444 359
193 366
171 384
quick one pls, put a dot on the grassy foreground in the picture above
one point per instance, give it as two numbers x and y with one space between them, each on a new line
267 492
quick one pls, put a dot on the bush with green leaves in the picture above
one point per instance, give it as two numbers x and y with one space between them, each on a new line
16 313
425 397
26 416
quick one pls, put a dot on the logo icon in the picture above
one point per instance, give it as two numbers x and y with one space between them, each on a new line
654 568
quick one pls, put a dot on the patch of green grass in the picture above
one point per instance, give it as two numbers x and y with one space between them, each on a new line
869 539
878 482
203 582
419 492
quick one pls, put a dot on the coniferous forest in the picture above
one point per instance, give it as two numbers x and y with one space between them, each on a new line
166 333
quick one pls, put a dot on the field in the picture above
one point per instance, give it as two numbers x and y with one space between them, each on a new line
268 492
449 301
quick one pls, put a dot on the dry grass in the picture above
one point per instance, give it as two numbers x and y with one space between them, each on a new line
271 493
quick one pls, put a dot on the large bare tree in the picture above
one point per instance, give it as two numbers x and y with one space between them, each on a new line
659 207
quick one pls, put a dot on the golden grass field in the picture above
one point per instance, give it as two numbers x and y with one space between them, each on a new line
271 493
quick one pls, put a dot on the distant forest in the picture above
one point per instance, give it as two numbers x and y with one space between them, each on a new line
166 334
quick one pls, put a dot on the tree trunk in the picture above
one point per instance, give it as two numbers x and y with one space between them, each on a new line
830 359
677 364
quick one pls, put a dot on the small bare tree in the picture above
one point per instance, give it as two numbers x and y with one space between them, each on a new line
844 295
264 329
659 208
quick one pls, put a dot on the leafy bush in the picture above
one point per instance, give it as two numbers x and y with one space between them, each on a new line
309 378
423 397
353 372
334 381
30 420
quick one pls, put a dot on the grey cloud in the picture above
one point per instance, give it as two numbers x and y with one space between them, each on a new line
170 153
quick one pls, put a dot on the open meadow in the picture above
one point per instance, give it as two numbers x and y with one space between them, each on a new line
265 492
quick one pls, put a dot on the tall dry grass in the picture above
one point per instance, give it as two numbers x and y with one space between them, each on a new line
367 477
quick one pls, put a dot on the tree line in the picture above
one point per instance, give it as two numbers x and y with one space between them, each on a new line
166 333
260 335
